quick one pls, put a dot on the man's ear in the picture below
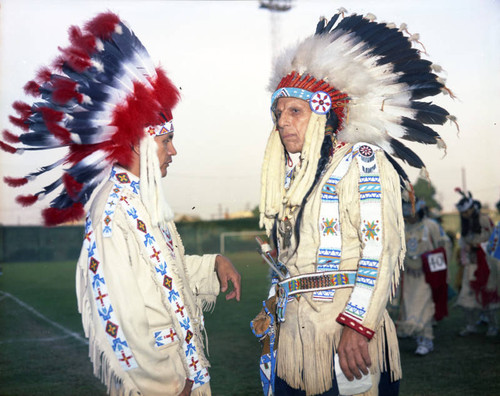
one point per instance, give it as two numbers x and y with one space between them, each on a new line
135 149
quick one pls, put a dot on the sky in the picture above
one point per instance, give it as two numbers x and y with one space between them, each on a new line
220 55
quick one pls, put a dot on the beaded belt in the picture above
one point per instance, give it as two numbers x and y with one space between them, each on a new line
315 281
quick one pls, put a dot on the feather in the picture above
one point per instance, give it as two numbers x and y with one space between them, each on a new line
405 154
71 186
103 25
76 59
84 42
401 172
43 75
54 216
417 132
39 139
26 200
32 88
19 122
10 137
15 182
331 23
7 148
61 133
428 113
22 108
49 114
63 89
46 168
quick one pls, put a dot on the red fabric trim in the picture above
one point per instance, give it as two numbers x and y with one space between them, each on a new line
349 322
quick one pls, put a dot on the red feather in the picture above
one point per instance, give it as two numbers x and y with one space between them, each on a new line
59 132
58 64
72 186
19 122
77 59
78 40
32 88
26 200
44 75
165 91
7 148
10 137
139 110
64 90
103 25
50 115
15 182
55 216
80 151
22 108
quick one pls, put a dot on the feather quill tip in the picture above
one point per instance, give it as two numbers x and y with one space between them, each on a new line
371 17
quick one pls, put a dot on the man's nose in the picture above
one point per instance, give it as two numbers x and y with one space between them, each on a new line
171 149
283 120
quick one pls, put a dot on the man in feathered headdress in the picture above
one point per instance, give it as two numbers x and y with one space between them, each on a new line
141 298
331 200
479 292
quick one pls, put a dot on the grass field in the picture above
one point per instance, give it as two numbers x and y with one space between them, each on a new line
43 352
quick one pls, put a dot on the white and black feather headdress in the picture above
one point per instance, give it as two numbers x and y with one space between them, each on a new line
371 78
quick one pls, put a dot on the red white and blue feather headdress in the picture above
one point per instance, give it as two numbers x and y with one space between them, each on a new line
369 75
99 98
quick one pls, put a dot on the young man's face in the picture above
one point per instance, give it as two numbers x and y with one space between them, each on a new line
292 118
166 151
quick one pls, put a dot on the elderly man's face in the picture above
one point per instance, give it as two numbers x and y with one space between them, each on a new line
292 118
166 151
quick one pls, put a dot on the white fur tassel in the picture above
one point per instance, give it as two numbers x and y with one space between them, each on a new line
152 193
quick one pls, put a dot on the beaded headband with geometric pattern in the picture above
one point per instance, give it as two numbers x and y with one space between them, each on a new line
99 98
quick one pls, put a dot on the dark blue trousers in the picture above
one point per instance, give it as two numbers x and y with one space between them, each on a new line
385 387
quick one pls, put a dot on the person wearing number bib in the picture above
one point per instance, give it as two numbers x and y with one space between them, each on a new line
140 297
478 295
418 306
331 202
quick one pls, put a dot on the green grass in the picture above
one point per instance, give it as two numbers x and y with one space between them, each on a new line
36 358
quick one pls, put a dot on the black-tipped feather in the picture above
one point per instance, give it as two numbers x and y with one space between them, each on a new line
418 132
428 113
402 174
405 154
332 22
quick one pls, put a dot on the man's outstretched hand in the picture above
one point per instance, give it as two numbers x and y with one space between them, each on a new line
226 272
